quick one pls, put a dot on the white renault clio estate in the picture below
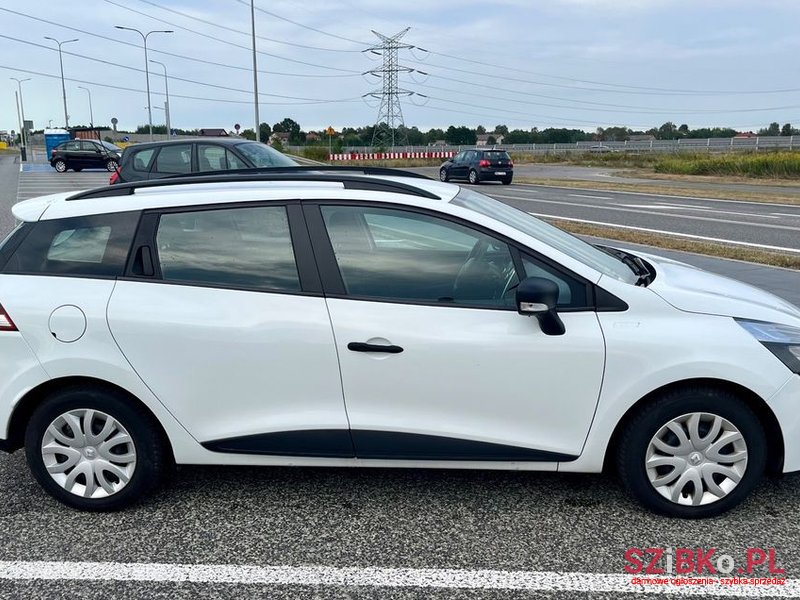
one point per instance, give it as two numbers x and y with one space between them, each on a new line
362 318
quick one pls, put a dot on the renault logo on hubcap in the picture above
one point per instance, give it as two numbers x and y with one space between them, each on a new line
695 458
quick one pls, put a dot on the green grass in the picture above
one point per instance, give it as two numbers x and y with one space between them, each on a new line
770 165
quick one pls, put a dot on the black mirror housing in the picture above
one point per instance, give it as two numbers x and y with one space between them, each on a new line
536 296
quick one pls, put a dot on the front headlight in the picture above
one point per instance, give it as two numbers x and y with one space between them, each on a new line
782 340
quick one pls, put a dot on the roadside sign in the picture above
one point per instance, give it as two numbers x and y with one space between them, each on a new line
330 131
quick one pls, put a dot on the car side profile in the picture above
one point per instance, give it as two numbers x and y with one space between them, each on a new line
85 154
477 165
155 160
374 318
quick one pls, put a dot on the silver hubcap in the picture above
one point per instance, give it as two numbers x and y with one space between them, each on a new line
473 177
696 459
89 453
443 175
60 166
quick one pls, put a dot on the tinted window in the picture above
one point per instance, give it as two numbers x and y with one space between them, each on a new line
72 146
571 292
234 162
89 146
496 155
262 155
142 158
211 158
174 159
96 245
403 255
240 248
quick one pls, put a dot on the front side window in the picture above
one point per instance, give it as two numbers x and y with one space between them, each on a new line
407 256
262 155
239 248
572 293
89 147
174 159
96 245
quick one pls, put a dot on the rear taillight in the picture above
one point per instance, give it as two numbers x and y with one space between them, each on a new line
53 152
114 178
483 163
6 324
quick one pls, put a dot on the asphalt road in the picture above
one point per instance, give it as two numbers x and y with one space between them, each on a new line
561 530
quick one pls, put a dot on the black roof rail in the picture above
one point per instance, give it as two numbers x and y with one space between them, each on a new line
352 182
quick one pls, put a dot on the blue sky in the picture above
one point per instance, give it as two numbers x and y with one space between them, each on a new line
571 63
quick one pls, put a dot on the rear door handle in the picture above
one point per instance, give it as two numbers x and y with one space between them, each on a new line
364 347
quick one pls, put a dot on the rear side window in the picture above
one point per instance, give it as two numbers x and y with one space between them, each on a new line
239 248
174 159
142 158
91 246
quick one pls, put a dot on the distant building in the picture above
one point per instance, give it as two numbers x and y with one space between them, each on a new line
746 134
489 139
214 132
312 136
281 136
438 143
641 137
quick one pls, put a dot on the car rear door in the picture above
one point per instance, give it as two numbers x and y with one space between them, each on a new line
223 318
436 362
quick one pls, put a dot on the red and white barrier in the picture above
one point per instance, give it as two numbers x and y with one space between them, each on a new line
391 155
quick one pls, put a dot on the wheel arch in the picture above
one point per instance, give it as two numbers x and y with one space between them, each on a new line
772 430
27 405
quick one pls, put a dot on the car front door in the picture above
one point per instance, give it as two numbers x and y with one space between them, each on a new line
458 169
436 362
223 318
92 157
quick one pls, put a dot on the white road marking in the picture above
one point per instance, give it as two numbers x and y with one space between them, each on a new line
697 208
672 233
796 215
592 197
480 579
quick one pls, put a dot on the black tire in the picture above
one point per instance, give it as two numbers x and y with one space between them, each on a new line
635 439
111 165
60 165
506 180
444 175
473 177
152 455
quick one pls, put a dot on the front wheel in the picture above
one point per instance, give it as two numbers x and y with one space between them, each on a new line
692 453
443 175
93 449
473 177
111 165
60 166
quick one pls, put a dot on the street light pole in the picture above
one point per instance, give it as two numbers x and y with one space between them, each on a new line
22 132
255 69
146 69
166 90
61 64
91 112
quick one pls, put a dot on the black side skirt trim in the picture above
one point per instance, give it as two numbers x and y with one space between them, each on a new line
388 445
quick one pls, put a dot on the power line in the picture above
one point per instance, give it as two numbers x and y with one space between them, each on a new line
229 43
231 29
172 54
128 89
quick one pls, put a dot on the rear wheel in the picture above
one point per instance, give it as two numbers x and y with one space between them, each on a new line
443 175
473 177
93 449
692 453
111 165
506 180
60 166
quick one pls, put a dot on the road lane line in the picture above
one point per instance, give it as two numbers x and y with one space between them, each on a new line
593 197
649 213
698 208
672 233
378 577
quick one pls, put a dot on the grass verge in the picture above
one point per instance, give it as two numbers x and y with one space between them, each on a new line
664 190
752 255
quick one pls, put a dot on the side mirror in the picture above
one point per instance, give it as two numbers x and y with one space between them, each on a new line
537 297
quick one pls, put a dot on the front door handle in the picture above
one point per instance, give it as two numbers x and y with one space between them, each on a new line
364 347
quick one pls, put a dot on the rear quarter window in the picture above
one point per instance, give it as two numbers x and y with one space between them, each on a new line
141 159
96 245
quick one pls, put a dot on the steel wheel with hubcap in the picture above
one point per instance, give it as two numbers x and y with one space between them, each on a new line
443 175
692 453
95 448
60 166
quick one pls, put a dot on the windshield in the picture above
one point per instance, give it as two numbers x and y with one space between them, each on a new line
262 155
110 146
549 234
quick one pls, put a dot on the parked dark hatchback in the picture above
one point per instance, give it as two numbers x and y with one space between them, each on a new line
85 154
161 159
479 165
